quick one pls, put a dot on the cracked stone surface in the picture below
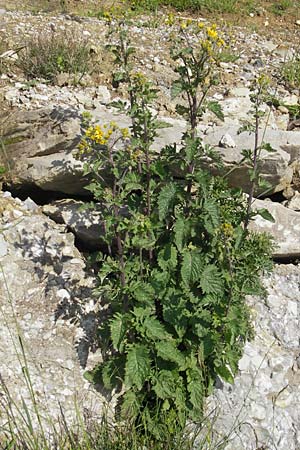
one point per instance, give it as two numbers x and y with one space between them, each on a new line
261 409
46 305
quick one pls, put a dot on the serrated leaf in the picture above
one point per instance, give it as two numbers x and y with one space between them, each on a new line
166 384
176 89
180 228
166 199
211 215
113 371
211 282
118 328
138 366
130 405
265 214
167 257
144 293
154 329
216 109
191 268
168 351
195 387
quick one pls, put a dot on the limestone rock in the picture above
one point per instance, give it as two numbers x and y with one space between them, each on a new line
83 222
294 202
40 148
275 166
226 141
46 301
260 410
285 230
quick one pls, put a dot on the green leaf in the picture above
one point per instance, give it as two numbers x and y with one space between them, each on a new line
175 311
154 329
182 110
181 229
195 387
138 366
268 147
211 281
118 76
130 407
192 266
216 109
166 384
211 215
167 258
143 293
113 371
166 199
225 374
265 214
162 124
118 328
176 88
167 350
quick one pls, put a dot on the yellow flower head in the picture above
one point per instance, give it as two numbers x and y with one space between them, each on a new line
170 20
212 33
125 133
227 229
183 24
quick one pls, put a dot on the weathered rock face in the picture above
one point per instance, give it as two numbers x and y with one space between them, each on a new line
46 301
87 225
41 147
261 410
276 167
84 223
285 230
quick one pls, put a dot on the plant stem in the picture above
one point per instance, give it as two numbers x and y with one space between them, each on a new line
255 162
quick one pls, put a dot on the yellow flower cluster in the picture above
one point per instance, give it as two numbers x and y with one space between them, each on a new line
98 134
212 32
213 35
185 23
170 20
227 229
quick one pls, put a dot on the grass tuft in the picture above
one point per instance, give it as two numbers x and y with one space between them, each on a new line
45 56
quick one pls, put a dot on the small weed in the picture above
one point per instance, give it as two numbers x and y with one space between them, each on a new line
46 56
280 6
290 72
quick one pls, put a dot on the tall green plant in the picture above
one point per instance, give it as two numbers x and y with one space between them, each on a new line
178 261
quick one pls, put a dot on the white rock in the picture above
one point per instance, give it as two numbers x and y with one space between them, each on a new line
3 246
227 141
285 230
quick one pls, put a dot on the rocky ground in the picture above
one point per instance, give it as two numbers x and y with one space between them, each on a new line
44 276
262 50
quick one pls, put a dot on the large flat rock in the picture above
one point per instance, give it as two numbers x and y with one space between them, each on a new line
41 145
